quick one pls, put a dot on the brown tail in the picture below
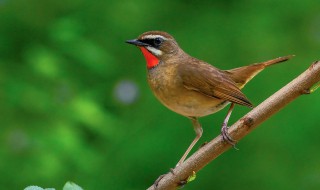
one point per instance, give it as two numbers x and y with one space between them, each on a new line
276 60
242 75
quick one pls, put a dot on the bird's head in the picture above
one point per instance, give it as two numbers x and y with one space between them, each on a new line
156 46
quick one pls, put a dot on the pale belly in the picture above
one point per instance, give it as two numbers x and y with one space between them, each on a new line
190 103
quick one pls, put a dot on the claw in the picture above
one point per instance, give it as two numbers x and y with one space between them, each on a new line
224 129
226 137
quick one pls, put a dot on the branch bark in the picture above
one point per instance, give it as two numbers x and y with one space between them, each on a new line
297 87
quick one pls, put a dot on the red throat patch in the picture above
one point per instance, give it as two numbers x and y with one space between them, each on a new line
150 58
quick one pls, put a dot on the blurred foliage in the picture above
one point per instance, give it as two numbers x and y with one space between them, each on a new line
67 186
61 63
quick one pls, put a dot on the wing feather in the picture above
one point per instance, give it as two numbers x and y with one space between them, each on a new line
212 82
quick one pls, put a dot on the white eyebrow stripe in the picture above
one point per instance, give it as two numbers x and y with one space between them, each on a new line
152 36
154 50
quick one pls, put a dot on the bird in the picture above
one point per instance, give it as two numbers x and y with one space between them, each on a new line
191 87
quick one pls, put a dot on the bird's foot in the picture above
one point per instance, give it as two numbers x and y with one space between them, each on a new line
156 183
226 137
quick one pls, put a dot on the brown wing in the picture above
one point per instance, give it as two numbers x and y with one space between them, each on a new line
210 81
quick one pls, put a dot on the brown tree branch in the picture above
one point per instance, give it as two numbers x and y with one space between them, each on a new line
299 86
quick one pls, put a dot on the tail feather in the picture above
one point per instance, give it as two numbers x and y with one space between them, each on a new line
242 75
276 60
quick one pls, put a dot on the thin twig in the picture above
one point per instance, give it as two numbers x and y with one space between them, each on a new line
297 87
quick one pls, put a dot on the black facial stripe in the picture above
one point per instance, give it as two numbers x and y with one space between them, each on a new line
153 42
147 41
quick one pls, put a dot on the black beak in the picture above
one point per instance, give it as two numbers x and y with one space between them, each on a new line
136 42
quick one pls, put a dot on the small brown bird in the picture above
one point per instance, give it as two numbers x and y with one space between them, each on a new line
191 87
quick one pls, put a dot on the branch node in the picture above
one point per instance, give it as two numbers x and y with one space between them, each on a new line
247 121
203 144
182 183
314 64
306 91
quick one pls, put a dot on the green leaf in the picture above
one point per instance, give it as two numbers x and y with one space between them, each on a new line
71 186
192 177
37 188
315 87
33 188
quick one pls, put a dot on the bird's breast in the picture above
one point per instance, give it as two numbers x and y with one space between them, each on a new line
168 87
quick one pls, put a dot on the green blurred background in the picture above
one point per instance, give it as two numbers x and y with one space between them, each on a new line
75 104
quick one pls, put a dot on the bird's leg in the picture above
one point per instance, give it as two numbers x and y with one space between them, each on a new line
224 129
198 129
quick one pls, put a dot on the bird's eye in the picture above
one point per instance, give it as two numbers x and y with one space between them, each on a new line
158 41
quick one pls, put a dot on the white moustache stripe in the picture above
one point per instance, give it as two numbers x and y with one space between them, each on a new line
154 50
